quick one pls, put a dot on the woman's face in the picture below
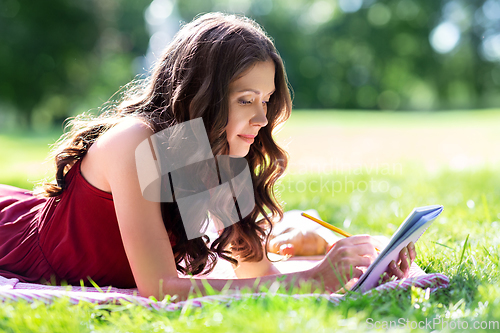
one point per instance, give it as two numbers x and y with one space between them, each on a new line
248 98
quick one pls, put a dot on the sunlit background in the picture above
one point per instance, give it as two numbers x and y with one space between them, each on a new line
60 57
396 105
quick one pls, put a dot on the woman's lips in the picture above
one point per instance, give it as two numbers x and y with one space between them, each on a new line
247 138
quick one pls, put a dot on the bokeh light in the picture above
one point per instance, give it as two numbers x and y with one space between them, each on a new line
491 48
350 6
445 37
379 14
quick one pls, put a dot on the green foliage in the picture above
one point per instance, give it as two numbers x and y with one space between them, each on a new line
41 46
60 57
377 57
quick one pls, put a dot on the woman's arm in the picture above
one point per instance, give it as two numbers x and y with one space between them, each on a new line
147 244
144 237
141 226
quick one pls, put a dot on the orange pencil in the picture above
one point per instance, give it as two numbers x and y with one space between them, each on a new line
329 226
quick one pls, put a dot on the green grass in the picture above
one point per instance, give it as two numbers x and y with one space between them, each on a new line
350 118
463 243
23 157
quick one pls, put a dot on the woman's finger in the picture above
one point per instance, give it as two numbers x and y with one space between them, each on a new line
385 277
412 251
405 261
358 261
345 249
395 270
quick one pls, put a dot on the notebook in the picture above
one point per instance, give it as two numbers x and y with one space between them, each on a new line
409 231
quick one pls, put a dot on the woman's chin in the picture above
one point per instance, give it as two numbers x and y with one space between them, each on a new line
239 153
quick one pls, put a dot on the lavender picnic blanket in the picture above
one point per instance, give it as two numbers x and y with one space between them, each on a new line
13 289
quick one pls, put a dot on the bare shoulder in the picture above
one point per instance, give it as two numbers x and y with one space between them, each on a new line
112 149
123 137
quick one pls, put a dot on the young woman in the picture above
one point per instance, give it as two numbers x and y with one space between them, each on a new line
97 225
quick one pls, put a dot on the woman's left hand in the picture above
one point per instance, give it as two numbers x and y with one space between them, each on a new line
401 268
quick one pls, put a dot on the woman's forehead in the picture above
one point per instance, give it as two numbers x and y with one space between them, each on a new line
259 79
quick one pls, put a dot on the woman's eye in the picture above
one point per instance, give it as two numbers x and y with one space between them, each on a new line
246 102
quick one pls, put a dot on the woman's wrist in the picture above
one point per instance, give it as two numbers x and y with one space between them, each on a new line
311 276
323 282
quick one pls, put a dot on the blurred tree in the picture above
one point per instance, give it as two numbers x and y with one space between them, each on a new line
39 44
57 57
381 54
61 57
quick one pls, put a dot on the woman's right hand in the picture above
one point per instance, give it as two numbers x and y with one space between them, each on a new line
343 261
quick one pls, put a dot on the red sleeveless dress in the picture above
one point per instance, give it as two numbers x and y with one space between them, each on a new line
68 238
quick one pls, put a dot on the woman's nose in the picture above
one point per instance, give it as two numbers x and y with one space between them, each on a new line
259 118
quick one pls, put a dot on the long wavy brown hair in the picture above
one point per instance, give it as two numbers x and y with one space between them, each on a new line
191 80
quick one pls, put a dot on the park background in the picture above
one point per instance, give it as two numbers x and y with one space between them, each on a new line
395 106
